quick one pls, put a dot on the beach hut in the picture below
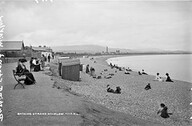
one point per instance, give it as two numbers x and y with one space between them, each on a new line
70 69
60 59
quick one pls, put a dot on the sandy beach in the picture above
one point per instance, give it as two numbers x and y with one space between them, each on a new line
87 103
134 99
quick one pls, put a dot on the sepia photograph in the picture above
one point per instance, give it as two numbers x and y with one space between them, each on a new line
95 63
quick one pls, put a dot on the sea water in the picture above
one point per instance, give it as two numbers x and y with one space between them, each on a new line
179 66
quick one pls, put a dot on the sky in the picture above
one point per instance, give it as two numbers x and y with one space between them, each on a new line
113 23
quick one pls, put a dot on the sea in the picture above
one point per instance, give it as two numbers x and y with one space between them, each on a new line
179 66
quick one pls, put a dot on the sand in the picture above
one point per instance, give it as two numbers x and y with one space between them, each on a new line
134 100
86 103
45 105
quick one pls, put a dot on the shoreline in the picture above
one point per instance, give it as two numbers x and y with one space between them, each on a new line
134 100
152 74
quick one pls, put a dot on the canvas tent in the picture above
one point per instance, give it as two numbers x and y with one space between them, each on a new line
70 69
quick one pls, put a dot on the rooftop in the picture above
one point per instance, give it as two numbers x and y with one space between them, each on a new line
12 45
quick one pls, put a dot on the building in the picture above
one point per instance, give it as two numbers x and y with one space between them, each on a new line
41 50
12 48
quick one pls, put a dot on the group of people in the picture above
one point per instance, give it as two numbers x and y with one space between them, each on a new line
37 64
142 72
158 78
117 91
163 110
90 71
115 66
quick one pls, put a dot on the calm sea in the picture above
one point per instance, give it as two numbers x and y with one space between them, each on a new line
178 66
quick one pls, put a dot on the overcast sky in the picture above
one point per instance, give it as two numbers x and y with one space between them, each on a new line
113 23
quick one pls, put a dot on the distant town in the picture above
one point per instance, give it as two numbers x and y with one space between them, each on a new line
15 49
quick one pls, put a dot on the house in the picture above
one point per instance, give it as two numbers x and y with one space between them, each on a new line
12 48
42 50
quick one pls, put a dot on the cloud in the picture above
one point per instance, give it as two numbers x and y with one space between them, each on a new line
111 23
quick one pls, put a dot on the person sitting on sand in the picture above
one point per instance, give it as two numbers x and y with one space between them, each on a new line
168 78
92 72
109 89
43 62
108 76
163 111
120 69
139 73
158 78
105 70
110 64
143 72
148 86
118 90
126 71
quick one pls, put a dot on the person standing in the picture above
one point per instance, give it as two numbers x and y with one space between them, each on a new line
49 57
43 59
31 64
87 68
52 55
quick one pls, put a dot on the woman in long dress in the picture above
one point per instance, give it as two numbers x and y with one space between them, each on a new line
22 70
168 79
